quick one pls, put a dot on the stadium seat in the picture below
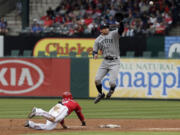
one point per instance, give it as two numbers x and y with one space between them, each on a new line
84 54
147 54
14 52
161 55
41 54
53 54
27 53
72 54
130 54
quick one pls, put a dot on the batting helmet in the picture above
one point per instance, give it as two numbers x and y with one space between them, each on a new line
67 95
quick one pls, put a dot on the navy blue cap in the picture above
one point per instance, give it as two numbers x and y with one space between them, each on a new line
103 26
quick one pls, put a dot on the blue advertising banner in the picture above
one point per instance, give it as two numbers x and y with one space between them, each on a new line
172 45
141 78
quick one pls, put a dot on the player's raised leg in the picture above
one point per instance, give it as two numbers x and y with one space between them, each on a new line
40 112
100 95
100 74
112 80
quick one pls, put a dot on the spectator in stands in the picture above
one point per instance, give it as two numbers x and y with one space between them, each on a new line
58 19
88 19
144 6
3 26
152 19
62 10
138 26
36 28
50 13
97 12
76 11
111 20
175 13
83 16
18 8
167 18
89 10
48 22
160 28
145 24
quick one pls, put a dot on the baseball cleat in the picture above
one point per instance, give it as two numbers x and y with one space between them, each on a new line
32 113
108 96
26 124
99 97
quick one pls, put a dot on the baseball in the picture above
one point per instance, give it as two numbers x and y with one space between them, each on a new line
151 2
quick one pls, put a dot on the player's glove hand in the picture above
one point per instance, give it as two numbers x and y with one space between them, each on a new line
83 123
119 16
64 126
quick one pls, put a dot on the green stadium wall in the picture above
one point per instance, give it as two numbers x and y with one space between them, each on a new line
80 77
155 44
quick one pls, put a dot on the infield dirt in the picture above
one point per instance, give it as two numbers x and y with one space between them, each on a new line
16 126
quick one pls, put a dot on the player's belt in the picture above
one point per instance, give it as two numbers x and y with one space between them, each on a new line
110 58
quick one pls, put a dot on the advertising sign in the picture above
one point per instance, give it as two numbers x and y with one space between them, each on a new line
142 78
172 45
63 46
1 46
34 77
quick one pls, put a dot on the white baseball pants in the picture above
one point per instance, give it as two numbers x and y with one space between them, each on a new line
59 112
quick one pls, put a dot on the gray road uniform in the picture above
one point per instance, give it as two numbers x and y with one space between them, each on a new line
109 45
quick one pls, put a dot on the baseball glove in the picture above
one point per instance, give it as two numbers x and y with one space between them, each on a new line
119 16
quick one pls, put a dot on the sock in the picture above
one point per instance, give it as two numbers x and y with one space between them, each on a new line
112 88
99 88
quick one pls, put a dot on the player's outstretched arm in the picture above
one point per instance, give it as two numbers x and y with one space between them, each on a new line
121 28
63 124
119 18
81 117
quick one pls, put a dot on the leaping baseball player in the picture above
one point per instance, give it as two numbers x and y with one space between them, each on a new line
108 43
56 114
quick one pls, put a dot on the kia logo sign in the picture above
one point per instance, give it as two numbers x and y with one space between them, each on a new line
17 76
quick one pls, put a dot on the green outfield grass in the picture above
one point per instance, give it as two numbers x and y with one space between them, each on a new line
124 109
115 109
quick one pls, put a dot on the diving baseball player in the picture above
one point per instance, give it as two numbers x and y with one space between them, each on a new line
108 43
56 114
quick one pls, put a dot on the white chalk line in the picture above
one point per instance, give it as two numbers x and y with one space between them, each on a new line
140 129
157 129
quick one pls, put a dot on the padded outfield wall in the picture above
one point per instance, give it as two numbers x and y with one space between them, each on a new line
141 78
49 77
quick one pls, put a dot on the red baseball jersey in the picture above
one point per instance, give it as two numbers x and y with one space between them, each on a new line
73 106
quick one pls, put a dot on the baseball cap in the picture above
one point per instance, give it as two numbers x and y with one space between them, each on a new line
102 26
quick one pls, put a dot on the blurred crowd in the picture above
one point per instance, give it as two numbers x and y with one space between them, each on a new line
76 17
3 26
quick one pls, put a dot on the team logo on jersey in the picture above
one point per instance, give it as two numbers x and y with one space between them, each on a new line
18 76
